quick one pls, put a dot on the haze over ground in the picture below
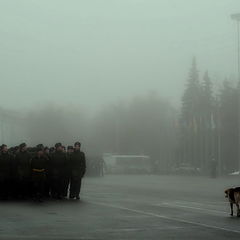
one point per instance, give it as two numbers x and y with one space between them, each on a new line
95 52
111 74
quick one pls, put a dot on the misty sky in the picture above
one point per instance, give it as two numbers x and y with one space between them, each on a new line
92 52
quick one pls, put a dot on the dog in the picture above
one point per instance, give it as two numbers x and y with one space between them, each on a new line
233 195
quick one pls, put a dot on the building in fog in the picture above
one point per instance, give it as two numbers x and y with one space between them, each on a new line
12 128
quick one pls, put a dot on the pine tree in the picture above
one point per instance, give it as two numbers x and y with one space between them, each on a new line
229 126
190 116
207 122
191 95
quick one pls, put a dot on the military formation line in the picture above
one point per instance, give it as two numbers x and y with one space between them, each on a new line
40 173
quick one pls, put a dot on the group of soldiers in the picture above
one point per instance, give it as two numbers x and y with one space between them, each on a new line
41 172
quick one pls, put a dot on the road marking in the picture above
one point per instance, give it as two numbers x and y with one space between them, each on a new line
40 237
182 205
190 207
204 203
104 193
166 218
138 229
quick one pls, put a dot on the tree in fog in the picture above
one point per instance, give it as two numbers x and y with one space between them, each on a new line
198 120
190 116
144 126
229 126
207 119
209 125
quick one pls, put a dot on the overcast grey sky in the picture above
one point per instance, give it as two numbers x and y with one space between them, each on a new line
92 52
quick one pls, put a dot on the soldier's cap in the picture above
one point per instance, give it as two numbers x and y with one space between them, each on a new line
70 147
40 146
58 145
2 146
22 145
46 148
77 144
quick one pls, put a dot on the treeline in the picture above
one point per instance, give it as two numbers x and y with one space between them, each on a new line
205 127
208 124
144 125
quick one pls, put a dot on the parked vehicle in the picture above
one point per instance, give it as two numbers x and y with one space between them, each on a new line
129 164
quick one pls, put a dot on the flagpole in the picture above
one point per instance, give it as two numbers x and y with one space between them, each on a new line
236 17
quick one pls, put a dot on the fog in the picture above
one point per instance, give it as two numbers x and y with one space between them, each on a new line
142 99
115 75
95 52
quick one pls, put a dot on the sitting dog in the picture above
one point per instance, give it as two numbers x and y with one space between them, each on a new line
233 195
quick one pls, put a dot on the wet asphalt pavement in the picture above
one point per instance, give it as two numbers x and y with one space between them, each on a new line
128 207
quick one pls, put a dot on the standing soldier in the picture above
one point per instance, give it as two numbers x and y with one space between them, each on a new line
78 169
6 161
39 146
69 150
63 149
66 177
57 167
47 181
51 150
23 162
14 174
38 167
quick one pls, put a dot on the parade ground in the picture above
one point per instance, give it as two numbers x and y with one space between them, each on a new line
128 207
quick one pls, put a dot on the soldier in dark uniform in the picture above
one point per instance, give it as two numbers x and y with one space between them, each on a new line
66 177
57 167
16 150
38 168
39 146
70 150
78 169
6 161
51 150
46 151
47 181
14 191
23 162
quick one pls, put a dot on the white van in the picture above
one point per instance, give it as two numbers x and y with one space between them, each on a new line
127 163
